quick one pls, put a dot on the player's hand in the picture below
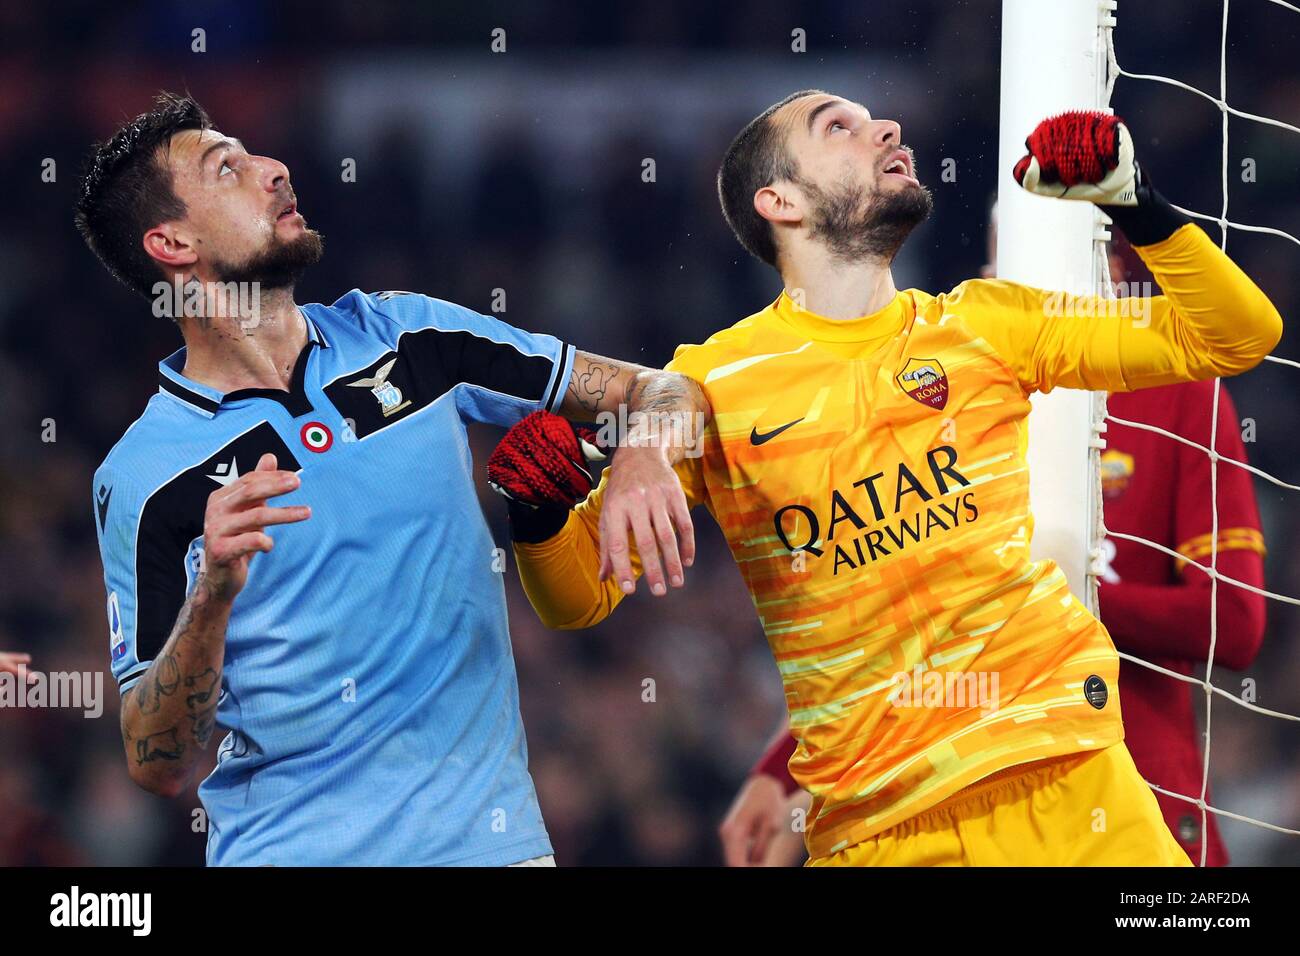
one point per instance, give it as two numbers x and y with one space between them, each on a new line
234 523
16 664
645 494
1083 154
758 829
544 461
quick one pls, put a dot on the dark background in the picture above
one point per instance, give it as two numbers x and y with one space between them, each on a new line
521 171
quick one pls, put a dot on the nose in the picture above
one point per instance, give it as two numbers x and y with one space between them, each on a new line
275 175
887 133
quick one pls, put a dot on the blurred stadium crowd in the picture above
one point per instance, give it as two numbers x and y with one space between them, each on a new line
523 171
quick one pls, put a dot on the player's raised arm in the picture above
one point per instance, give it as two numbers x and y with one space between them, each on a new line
515 373
1211 321
666 413
543 466
169 714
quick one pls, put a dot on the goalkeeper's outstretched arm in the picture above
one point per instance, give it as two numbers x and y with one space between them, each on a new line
561 572
1212 320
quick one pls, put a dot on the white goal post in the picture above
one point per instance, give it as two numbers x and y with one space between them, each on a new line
1054 59
1060 55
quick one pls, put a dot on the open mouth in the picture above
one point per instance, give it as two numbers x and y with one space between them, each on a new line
287 211
900 164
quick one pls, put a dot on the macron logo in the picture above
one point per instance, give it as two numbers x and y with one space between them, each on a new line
75 908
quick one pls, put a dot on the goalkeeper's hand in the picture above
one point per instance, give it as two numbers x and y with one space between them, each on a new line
1083 154
542 466
1088 155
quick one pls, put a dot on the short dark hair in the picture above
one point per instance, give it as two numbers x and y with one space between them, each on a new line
127 189
757 157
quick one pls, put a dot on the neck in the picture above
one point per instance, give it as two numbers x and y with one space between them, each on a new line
254 346
838 290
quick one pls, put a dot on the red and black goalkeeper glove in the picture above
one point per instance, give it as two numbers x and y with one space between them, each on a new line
542 466
1088 155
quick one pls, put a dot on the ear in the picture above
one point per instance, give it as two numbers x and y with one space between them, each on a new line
167 245
778 203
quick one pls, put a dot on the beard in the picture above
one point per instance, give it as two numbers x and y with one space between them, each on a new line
277 266
856 225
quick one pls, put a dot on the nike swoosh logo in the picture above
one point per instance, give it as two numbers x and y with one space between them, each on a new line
756 439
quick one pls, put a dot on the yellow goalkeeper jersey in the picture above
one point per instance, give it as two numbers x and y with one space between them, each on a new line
870 478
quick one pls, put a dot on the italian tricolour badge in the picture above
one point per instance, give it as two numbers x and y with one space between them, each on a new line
316 437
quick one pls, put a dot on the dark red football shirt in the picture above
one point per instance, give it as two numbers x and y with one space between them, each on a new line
1157 607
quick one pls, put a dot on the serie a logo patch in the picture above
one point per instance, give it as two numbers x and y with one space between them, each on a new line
116 633
925 381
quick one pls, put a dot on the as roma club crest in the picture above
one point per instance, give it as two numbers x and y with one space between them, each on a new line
1116 471
925 381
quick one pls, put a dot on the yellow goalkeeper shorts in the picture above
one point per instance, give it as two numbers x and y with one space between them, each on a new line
1087 809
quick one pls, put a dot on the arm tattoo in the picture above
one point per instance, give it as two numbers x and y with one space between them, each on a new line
203 722
671 408
170 714
160 681
203 709
203 685
589 384
164 745
665 394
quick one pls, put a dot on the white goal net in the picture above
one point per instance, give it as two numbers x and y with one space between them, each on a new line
1062 56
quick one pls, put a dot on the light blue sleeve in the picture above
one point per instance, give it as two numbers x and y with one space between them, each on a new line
499 373
117 507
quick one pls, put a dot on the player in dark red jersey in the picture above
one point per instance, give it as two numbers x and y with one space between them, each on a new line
1158 608
1154 606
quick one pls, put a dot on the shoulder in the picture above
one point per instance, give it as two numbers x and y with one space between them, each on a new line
390 314
139 453
992 292
139 464
409 311
375 312
749 337
163 444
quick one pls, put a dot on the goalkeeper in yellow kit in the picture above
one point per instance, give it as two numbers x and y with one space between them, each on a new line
952 701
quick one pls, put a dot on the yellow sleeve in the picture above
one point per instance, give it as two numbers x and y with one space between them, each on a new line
560 575
1212 321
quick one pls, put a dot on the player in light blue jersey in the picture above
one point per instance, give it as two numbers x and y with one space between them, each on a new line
361 661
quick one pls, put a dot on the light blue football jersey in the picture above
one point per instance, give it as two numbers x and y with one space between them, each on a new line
369 686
